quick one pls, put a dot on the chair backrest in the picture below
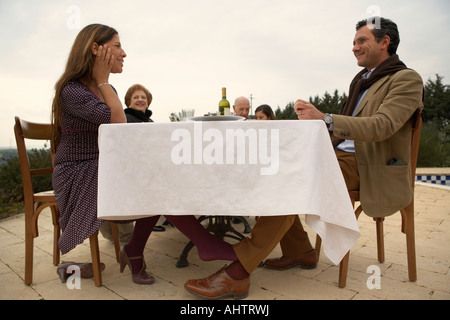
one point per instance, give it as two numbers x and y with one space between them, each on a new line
23 131
415 142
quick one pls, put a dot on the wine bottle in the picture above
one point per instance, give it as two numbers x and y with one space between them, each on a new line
224 105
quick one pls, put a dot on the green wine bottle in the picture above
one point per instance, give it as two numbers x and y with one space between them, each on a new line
224 105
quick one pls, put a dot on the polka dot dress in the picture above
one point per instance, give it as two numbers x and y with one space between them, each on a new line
75 176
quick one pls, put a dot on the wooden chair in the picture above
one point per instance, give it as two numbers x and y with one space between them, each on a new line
36 202
407 217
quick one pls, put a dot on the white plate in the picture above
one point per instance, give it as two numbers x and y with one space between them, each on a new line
217 118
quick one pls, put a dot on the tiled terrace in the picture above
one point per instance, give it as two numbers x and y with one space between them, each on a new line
432 212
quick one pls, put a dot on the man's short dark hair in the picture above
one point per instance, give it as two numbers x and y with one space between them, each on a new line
380 28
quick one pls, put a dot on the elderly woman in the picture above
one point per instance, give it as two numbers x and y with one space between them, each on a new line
137 100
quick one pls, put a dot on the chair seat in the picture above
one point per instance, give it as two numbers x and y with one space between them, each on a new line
45 196
50 193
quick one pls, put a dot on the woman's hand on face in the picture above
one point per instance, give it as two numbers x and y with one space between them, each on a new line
102 65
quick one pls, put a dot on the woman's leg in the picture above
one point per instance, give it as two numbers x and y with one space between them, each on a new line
135 248
209 246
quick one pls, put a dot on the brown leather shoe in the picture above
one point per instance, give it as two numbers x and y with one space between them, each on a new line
218 285
305 261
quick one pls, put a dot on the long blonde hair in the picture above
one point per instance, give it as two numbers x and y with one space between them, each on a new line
78 68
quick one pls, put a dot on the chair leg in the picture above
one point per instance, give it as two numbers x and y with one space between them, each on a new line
56 251
380 238
115 234
56 235
95 253
411 251
29 243
343 266
318 246
343 269
408 229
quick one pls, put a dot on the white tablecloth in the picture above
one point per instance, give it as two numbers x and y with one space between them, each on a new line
243 168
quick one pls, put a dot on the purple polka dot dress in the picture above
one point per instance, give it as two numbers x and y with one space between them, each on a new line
75 176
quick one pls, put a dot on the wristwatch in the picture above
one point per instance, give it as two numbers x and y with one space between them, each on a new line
328 119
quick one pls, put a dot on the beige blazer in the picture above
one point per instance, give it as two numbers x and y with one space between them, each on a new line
382 129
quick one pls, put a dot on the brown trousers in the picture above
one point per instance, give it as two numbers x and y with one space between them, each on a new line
287 230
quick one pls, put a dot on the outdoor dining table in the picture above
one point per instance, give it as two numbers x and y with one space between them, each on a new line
227 168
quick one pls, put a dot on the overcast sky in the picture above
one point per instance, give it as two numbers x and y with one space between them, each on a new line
185 51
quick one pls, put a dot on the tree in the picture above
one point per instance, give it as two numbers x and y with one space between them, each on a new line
435 138
11 191
433 151
287 114
437 102
11 187
328 103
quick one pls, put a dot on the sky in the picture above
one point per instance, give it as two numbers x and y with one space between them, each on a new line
185 51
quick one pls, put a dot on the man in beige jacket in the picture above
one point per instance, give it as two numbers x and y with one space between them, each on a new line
378 129
372 136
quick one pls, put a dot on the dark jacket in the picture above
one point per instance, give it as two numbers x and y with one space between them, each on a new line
134 115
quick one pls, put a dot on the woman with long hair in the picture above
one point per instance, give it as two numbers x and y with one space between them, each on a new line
264 112
84 99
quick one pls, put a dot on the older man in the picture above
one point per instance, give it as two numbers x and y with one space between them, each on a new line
241 107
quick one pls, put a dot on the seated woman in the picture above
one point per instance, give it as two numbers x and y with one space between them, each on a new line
264 112
84 99
138 99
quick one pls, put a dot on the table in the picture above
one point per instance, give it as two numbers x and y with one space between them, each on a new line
237 168
220 226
